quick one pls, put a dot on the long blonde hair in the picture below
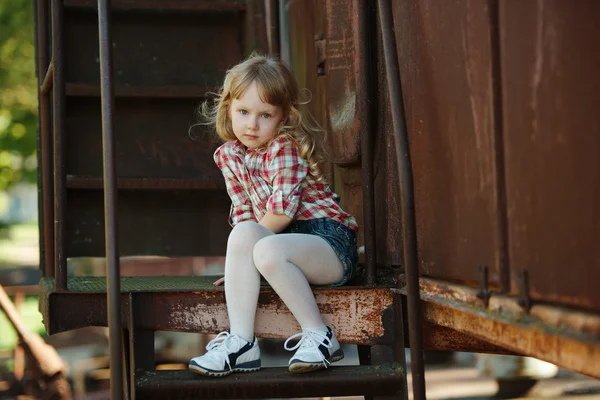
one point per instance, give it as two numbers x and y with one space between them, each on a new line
278 88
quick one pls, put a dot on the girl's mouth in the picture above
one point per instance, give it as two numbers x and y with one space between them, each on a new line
251 137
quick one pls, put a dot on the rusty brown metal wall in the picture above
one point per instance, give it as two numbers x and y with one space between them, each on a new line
387 200
345 85
310 53
488 191
551 84
445 56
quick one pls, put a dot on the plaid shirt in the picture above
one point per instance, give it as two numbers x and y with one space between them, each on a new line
275 179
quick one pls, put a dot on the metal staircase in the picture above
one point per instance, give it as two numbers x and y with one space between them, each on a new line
177 193
362 315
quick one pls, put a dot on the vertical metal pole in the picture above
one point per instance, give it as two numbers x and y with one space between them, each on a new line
60 187
399 346
110 202
285 50
45 146
272 20
368 178
409 234
502 225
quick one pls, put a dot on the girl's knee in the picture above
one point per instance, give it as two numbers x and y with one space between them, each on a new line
244 235
267 257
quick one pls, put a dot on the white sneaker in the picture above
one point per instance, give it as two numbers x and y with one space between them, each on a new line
316 350
226 354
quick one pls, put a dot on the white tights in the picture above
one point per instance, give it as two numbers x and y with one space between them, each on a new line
289 262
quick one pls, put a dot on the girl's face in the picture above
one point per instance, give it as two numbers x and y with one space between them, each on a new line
254 122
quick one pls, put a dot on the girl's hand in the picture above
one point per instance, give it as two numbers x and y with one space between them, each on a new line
219 281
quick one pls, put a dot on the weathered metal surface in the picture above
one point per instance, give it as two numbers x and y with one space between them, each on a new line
386 185
78 182
153 140
441 338
193 305
48 80
407 201
347 83
255 34
111 234
357 315
571 341
446 71
552 139
197 92
147 226
366 131
160 5
306 27
272 18
384 380
58 130
159 49
44 150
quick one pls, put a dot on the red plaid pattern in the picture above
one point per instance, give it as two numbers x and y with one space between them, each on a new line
275 179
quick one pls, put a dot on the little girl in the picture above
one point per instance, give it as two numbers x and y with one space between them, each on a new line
287 223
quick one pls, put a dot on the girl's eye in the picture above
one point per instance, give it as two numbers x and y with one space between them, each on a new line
243 112
266 115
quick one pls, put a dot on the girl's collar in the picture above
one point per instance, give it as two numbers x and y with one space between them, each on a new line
241 149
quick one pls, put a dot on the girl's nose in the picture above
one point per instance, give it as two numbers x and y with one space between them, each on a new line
252 123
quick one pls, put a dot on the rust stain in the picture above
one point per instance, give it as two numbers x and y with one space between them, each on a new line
567 338
528 340
356 315
554 316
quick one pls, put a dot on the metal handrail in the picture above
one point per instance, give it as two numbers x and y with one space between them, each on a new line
407 207
367 139
60 187
48 79
110 201
46 208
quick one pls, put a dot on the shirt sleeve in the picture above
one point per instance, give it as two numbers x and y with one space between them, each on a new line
241 205
286 171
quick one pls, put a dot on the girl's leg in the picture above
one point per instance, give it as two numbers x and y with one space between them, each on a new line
290 262
242 279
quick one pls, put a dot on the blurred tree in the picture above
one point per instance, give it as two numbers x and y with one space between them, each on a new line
18 93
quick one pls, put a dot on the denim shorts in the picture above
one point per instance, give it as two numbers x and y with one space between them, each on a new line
341 239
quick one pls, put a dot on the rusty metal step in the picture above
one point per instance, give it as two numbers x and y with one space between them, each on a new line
96 183
360 314
381 380
160 5
76 89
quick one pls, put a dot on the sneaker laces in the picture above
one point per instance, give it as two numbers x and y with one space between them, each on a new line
221 343
311 339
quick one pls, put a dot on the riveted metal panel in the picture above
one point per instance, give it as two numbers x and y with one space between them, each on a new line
551 81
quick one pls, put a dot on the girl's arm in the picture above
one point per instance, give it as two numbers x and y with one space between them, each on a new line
241 206
276 223
286 171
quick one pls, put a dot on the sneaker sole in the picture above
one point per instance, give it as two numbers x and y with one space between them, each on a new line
204 372
301 367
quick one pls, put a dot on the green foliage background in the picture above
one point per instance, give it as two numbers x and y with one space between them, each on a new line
18 93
